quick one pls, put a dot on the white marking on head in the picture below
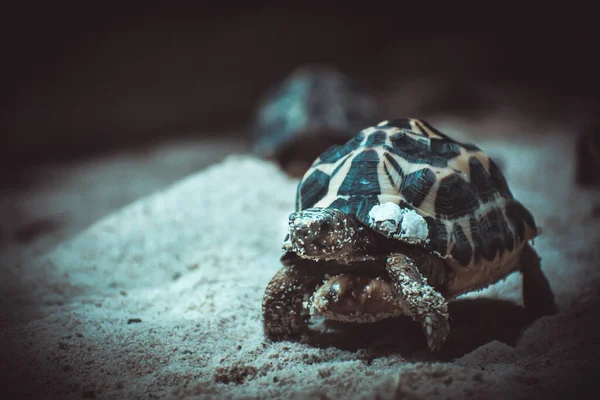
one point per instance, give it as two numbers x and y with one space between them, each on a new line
392 221
385 218
414 228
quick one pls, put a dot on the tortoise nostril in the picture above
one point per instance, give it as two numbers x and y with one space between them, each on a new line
300 228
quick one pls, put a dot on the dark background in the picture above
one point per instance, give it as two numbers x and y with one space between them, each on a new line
78 79
85 77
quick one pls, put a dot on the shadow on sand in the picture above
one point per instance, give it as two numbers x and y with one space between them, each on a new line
473 323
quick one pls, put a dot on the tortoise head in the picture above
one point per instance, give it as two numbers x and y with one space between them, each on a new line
321 234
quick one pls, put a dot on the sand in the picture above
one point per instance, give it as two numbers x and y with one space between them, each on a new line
161 299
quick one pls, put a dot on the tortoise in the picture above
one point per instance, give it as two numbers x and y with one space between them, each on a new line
315 107
398 221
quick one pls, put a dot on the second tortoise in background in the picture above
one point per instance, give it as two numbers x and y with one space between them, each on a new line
398 221
314 108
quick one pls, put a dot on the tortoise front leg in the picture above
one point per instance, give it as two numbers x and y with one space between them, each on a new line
537 294
419 300
282 302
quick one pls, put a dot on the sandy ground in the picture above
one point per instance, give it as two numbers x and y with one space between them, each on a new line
161 299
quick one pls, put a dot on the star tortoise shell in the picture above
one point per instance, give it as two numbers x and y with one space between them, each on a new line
471 214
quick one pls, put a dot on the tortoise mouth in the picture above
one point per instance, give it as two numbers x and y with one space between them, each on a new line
355 298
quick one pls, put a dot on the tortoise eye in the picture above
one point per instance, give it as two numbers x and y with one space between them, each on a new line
325 226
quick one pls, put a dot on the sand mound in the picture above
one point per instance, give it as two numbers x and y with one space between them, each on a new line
162 298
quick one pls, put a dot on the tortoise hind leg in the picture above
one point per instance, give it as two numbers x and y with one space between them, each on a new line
537 294
419 300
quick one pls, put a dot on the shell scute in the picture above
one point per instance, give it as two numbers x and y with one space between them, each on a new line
438 233
455 197
356 205
481 180
521 219
416 186
461 251
314 188
444 149
415 151
362 178
494 237
498 179
377 138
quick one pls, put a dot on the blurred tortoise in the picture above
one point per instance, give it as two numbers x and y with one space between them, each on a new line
398 221
314 108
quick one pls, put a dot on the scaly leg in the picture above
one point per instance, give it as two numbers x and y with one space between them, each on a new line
537 294
419 300
282 302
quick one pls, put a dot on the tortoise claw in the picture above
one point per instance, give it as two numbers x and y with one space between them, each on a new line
436 328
